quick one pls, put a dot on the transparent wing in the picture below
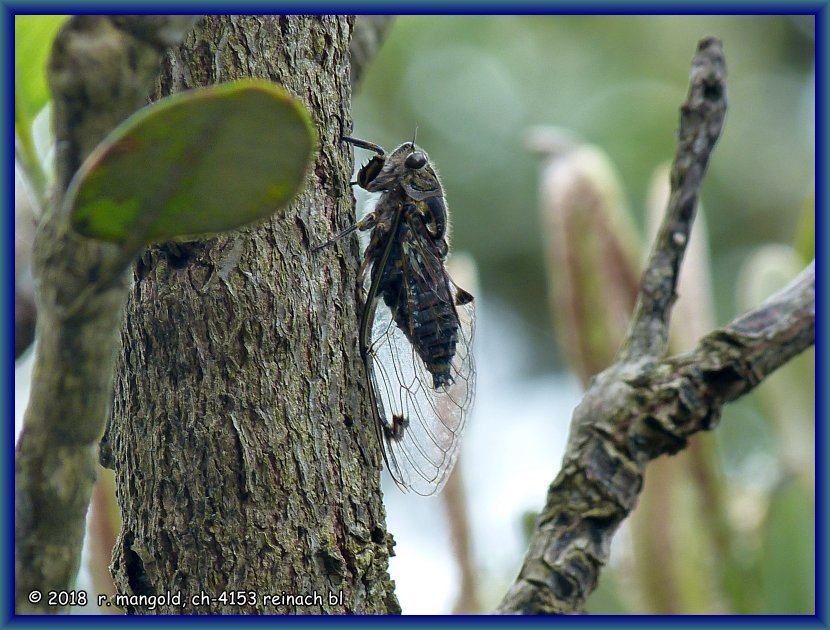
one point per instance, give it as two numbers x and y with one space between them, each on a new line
421 426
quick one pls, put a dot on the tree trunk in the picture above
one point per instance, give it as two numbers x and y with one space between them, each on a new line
247 467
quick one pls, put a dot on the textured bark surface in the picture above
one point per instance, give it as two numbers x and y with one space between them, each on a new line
245 459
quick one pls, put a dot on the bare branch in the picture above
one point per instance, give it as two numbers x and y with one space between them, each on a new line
732 361
631 416
100 71
701 120
639 408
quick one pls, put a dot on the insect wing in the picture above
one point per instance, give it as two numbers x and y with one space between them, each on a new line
421 426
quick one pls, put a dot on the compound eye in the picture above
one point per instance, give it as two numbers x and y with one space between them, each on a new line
416 160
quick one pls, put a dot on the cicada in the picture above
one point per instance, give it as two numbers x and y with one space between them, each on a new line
416 325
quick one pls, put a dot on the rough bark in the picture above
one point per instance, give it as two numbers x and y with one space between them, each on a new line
245 463
643 407
99 72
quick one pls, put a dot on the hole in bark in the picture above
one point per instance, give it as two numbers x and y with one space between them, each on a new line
143 266
136 575
177 256
332 564
303 231
712 91
378 536
105 455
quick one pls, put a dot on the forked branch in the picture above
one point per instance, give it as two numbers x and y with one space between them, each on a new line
642 407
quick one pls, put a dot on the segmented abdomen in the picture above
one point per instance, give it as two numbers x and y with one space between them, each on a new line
434 333
417 293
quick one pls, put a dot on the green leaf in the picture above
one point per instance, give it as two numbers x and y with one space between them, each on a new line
197 162
33 36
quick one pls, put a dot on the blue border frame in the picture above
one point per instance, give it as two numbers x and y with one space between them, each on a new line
7 475
426 7
821 445
819 9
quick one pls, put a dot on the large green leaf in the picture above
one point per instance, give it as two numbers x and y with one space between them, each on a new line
33 36
197 162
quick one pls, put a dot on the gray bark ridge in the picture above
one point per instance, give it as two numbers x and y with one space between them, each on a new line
246 466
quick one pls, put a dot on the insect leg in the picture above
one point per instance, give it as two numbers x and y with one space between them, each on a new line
364 144
366 223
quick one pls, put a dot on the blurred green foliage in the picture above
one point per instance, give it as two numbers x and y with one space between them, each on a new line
33 35
474 84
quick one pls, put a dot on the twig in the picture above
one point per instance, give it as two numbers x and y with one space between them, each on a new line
100 72
641 407
701 120
628 418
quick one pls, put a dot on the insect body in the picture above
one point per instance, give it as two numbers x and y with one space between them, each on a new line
416 325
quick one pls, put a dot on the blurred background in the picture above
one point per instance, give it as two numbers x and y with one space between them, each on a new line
556 222
552 135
